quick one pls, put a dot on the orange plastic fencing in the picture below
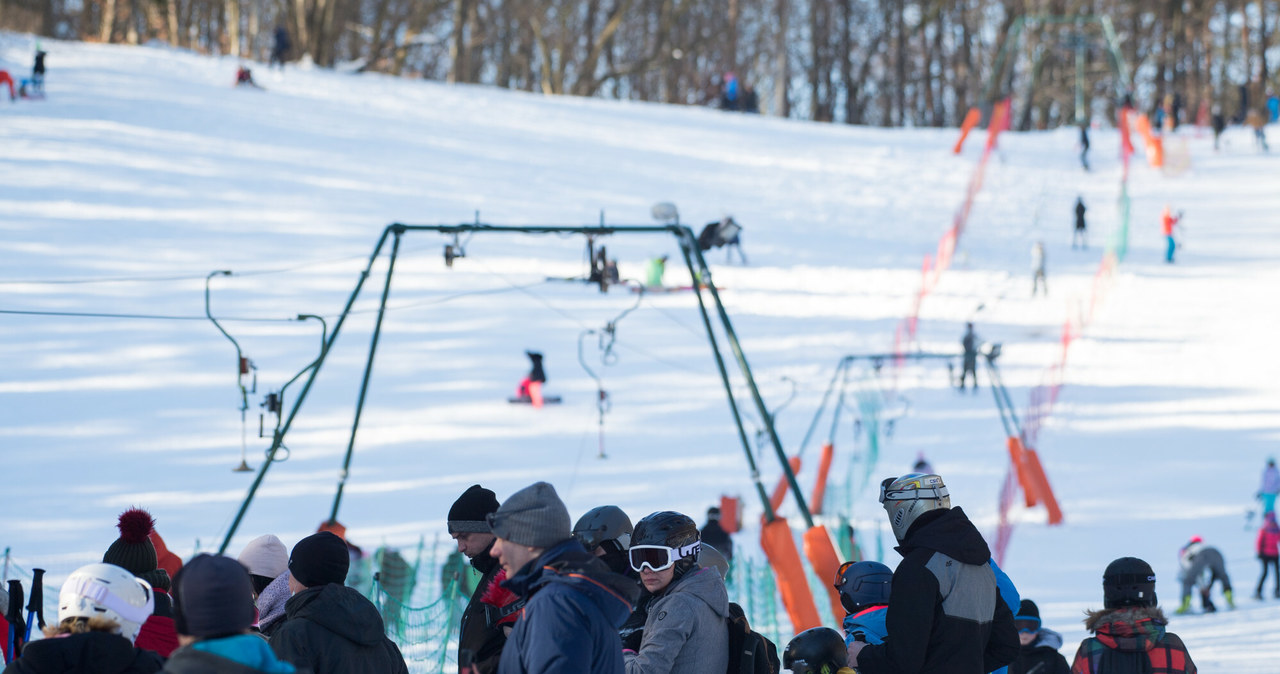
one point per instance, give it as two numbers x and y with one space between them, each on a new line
780 491
730 514
971 120
820 483
780 548
825 562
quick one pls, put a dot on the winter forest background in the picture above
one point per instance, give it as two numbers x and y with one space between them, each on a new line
879 62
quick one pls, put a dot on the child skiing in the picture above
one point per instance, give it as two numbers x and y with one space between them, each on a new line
864 593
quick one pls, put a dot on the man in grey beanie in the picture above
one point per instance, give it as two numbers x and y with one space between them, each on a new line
574 603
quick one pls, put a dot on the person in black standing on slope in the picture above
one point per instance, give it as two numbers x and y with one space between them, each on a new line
37 72
280 50
1084 146
1079 236
970 344
482 633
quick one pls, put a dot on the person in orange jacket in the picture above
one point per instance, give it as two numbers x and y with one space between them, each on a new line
1167 222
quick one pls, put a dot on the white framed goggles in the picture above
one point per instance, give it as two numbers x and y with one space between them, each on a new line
659 557
911 494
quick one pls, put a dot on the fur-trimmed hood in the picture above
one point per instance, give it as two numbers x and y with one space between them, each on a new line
1128 629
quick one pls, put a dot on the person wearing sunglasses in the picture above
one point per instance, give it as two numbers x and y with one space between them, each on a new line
574 604
945 612
1040 645
686 630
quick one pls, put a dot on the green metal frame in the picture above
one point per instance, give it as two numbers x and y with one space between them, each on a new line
700 276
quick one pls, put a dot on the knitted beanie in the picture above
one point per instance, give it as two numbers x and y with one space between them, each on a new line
534 516
265 556
212 597
320 559
134 552
468 513
1028 610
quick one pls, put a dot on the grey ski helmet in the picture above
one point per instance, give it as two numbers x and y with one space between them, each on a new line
604 524
673 530
908 497
817 650
863 584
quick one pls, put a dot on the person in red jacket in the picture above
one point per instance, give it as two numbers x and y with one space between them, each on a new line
1167 222
1269 552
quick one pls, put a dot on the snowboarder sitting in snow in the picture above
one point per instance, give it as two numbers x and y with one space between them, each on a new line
864 593
530 387
244 78
1201 566
1129 634
1040 646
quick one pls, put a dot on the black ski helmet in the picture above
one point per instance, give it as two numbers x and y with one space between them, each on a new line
604 524
863 584
817 650
672 529
1128 581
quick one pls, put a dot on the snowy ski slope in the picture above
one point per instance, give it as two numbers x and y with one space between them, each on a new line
145 170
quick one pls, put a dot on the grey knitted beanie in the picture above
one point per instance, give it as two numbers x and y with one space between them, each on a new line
534 516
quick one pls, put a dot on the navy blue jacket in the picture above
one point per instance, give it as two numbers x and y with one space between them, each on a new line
573 608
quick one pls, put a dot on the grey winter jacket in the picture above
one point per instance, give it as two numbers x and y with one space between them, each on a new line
1197 561
686 632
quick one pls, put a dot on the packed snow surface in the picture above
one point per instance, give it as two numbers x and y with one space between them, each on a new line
144 170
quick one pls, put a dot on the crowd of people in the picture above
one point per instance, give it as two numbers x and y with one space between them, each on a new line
604 595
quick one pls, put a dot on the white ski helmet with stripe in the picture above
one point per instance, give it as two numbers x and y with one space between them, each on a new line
908 497
109 592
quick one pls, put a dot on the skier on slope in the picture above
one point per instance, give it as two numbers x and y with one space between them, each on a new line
1270 487
1168 222
1200 566
970 344
1129 632
1268 548
1078 236
530 388
1038 281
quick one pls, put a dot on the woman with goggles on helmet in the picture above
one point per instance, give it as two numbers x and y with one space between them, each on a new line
685 631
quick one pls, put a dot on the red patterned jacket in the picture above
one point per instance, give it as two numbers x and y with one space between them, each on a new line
1126 640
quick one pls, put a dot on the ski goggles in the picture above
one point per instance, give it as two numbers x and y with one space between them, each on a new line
659 557
887 494
1029 625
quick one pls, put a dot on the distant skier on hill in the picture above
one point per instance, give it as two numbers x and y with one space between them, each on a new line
1202 566
1270 487
280 50
1219 125
1078 237
1268 549
970 344
1038 281
37 72
530 388
1084 146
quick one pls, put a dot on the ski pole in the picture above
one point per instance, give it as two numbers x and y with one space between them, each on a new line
35 603
14 616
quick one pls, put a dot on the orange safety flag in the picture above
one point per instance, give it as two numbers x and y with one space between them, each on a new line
780 491
730 514
999 122
780 548
825 561
1044 491
820 484
971 120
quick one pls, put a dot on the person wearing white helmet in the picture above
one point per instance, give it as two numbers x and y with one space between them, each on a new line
945 613
101 608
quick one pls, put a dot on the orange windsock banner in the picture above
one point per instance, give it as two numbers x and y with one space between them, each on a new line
780 548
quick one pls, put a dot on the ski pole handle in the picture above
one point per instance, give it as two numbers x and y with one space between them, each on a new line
35 603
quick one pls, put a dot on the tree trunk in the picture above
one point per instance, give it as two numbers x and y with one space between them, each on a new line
782 65
233 27
108 20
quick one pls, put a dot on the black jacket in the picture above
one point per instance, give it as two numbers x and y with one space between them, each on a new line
714 535
485 641
333 629
1041 656
945 613
87 652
